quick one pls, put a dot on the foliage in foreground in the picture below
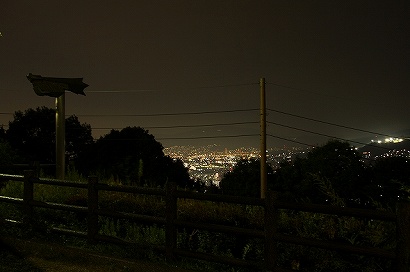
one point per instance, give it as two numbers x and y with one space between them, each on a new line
325 227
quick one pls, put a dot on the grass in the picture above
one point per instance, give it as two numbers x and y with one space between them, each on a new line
52 257
325 227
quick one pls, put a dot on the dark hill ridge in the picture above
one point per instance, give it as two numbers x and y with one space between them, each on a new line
377 149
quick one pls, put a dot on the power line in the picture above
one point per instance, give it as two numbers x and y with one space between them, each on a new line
304 130
152 115
226 86
293 141
325 135
209 137
137 90
188 126
220 124
289 140
176 88
188 138
164 114
308 91
329 123
122 91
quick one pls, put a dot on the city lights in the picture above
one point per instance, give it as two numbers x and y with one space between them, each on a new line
389 140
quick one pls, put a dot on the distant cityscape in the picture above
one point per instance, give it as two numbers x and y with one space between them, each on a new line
210 163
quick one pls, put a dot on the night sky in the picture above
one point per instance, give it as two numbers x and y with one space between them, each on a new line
177 68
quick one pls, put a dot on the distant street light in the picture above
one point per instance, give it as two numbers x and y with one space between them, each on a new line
56 87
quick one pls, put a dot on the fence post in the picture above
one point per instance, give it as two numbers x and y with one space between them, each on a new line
28 196
170 217
403 237
92 220
271 221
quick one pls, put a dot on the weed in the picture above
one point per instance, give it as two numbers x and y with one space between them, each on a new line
342 229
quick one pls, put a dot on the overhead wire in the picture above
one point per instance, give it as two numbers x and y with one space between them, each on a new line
208 137
189 138
328 123
313 146
289 140
228 124
304 130
325 135
165 114
305 90
169 89
316 120
180 126
224 111
191 126
217 112
131 90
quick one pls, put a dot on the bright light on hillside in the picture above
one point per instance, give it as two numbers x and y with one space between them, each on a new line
389 140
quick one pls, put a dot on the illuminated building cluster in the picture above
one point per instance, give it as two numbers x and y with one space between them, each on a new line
395 153
210 163
389 147
388 140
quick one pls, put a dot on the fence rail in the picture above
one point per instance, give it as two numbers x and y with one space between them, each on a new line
270 234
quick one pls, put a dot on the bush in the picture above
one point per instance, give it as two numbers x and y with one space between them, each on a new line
342 229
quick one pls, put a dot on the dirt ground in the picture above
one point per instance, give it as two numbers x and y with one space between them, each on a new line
26 255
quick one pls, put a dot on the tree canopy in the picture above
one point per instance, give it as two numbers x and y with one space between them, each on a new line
32 135
7 157
133 156
335 167
78 137
130 155
391 180
334 173
244 179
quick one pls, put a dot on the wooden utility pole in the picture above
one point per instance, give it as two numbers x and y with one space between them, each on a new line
56 87
264 175
60 136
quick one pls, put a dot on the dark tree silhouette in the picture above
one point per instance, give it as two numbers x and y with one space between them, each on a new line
244 179
7 157
173 170
328 172
133 156
391 180
32 135
78 137
2 133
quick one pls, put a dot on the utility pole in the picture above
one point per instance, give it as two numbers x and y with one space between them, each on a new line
60 136
264 174
56 87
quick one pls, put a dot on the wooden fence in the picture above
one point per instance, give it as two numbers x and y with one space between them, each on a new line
270 235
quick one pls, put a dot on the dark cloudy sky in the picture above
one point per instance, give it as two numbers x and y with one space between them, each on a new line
342 62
